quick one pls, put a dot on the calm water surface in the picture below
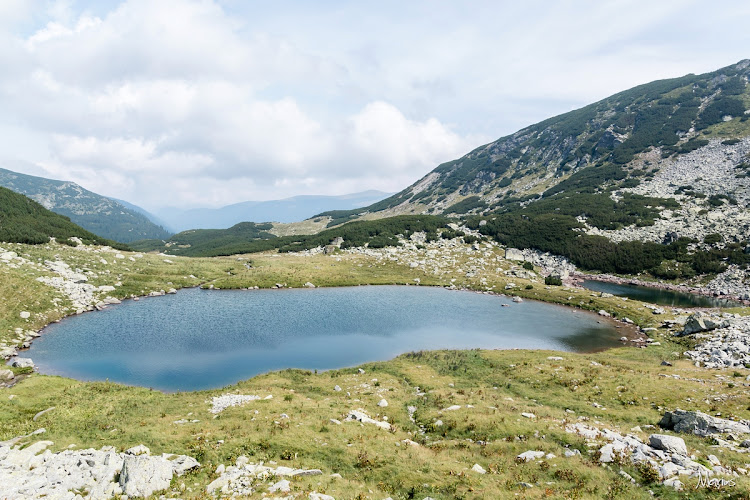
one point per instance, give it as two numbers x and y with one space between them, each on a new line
200 339
658 295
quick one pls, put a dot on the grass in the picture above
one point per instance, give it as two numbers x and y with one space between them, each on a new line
629 387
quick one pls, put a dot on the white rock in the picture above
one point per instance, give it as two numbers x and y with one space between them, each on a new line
479 469
25 314
670 444
382 403
142 475
282 486
530 455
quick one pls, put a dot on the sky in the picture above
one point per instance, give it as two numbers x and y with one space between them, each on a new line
204 103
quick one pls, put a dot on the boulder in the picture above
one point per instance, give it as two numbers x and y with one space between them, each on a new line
528 456
670 444
143 475
182 464
22 363
702 322
6 375
700 424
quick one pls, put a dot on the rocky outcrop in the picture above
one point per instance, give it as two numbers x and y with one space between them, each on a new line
244 478
33 472
668 455
702 322
723 347
142 475
700 424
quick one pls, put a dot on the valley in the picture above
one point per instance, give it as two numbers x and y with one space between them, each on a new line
648 186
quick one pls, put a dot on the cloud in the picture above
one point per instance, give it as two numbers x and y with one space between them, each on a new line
201 102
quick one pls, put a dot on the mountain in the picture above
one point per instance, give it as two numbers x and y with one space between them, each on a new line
292 209
655 178
248 237
98 214
620 142
22 220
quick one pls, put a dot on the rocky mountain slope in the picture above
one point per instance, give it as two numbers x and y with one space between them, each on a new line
666 138
96 213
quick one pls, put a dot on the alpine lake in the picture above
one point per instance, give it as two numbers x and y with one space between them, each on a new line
200 339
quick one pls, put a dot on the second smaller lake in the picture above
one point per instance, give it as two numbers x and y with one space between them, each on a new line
658 296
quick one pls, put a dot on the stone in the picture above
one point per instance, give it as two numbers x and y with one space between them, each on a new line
528 415
283 486
700 424
319 496
670 444
571 453
479 469
604 313
336 388
382 403
182 464
22 363
142 475
6 375
528 456
25 314
138 450
702 322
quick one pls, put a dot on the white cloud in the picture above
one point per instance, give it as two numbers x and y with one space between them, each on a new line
206 103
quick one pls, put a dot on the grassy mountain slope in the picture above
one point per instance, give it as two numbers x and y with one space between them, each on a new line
96 213
23 220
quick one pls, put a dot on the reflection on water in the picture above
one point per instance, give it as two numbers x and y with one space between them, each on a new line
200 339
658 295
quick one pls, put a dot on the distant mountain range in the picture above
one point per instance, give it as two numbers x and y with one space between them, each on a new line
102 216
292 209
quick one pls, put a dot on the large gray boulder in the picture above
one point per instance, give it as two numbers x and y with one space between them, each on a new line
702 322
670 444
143 475
700 424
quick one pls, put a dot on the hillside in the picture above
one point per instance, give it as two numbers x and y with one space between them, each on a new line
292 209
23 220
648 140
248 237
98 214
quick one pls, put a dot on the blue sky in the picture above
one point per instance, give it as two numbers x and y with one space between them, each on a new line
211 102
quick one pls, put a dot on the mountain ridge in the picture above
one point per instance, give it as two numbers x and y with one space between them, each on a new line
285 210
101 215
673 115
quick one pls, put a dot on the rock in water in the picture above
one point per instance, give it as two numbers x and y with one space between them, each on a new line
143 475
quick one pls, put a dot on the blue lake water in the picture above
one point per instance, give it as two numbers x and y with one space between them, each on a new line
658 296
199 339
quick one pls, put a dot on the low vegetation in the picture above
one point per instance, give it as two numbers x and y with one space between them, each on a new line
23 220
